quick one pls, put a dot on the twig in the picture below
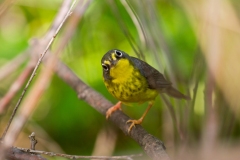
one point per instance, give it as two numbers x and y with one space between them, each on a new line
33 141
17 84
48 142
65 12
150 144
12 91
128 157
17 154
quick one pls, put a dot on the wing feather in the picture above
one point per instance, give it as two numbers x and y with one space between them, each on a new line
154 78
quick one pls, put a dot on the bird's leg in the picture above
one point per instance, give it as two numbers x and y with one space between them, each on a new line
139 121
113 109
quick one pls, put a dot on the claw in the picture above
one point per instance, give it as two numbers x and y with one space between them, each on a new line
139 121
113 109
134 122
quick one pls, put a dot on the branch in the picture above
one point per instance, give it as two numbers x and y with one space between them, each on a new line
30 151
11 93
150 144
17 154
15 87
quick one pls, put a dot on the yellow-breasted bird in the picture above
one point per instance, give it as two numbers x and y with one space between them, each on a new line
130 80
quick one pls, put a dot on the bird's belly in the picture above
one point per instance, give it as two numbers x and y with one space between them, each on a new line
132 90
139 97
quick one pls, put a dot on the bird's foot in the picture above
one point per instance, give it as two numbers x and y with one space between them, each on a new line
113 109
134 122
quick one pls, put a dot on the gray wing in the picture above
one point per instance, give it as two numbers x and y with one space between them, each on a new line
154 78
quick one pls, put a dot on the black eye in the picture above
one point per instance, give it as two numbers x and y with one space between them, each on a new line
118 53
105 67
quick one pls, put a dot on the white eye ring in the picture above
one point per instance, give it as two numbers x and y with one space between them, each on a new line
105 67
118 53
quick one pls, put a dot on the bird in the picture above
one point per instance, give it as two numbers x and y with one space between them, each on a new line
131 80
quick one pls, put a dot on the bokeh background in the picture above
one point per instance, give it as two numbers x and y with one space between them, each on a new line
195 44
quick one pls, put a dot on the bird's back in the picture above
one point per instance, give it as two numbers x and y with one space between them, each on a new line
156 80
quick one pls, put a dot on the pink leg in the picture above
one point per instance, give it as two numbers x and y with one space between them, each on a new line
113 109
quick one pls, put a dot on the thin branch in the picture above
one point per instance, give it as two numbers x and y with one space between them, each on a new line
15 87
17 154
33 141
32 154
128 157
11 93
65 11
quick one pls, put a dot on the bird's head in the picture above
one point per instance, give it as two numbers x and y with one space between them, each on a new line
114 63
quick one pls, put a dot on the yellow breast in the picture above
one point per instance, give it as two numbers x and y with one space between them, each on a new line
128 85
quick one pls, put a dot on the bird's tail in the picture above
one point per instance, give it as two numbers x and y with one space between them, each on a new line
176 94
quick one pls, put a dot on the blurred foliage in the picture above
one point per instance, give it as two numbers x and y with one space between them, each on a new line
171 47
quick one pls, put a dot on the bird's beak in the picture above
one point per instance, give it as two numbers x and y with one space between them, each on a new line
111 61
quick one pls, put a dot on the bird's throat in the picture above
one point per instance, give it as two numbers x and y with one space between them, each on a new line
122 71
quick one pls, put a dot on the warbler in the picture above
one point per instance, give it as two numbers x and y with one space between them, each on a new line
131 80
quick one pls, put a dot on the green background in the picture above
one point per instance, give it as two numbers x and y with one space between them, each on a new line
71 125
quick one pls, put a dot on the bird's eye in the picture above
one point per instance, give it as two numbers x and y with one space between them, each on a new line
105 67
118 53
